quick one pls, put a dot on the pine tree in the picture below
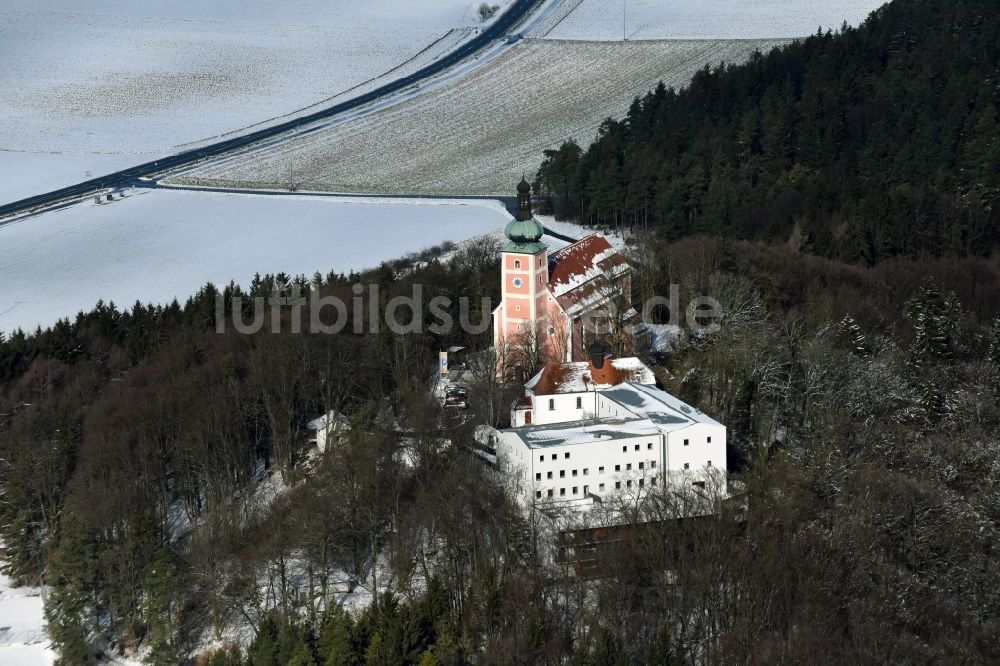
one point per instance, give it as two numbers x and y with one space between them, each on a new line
934 318
302 656
263 651
858 341
336 643
374 653
72 609
161 583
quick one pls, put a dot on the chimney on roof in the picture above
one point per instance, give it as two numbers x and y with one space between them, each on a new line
598 354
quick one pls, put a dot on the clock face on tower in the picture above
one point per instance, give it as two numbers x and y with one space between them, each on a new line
518 283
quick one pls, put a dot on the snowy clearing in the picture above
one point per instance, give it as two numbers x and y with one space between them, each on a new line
22 627
156 245
114 86
709 19
470 136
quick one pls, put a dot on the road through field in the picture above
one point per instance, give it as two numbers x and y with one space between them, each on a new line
500 30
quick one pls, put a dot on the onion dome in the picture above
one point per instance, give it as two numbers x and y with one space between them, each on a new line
524 232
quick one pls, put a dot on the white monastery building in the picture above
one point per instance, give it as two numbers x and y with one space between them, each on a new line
584 441
589 427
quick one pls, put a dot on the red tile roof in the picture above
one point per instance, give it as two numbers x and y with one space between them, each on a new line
583 376
580 270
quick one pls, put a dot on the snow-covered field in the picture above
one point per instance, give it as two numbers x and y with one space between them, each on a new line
704 19
476 135
106 85
22 627
159 244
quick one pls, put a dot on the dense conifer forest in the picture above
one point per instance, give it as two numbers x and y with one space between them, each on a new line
872 142
157 475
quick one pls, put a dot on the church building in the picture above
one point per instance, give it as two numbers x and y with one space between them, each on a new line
554 305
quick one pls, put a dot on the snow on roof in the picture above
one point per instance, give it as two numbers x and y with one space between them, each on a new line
584 432
656 405
584 376
654 412
332 419
580 270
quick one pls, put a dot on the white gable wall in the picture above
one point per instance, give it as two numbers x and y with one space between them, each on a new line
562 407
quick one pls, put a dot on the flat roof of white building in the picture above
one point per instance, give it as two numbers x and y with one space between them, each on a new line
654 404
653 412
583 432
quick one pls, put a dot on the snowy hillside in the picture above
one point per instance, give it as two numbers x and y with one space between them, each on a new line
705 19
157 245
94 86
470 136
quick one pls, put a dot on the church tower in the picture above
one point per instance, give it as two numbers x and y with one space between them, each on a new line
524 274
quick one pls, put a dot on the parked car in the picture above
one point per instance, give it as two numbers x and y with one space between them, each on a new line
456 397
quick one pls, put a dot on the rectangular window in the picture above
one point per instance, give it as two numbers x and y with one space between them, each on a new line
636 447
685 442
708 464
618 484
566 455
541 458
628 466
600 487
586 489
579 403
517 263
628 484
600 470
550 492
649 446
624 449
538 494
642 465
687 465
575 489
652 481
618 468
552 406
562 492
586 471
641 482
549 475
709 440
538 476
562 474
652 463
574 472
553 456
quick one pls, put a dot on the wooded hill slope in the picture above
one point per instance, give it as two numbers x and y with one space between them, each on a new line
871 142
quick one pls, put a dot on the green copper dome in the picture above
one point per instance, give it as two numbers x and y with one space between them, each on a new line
524 232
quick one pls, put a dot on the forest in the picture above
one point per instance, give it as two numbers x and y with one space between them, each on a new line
872 142
158 477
